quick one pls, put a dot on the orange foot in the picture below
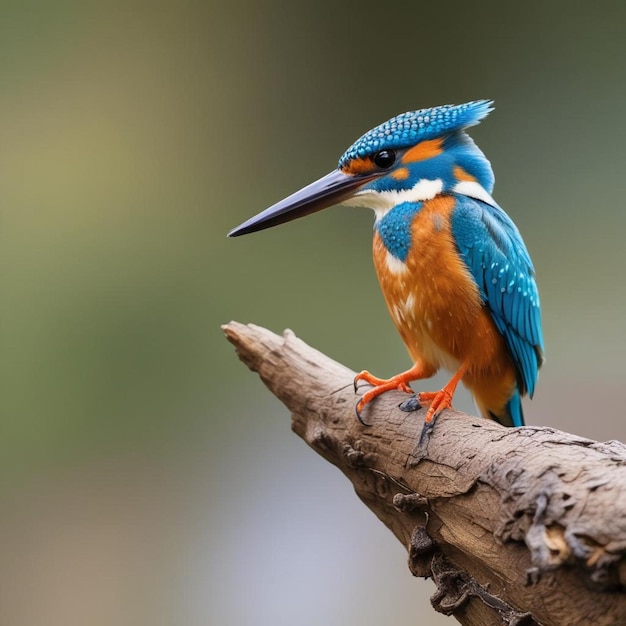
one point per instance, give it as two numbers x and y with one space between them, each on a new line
439 401
400 381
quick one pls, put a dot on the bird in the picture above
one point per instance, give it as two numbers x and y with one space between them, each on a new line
455 273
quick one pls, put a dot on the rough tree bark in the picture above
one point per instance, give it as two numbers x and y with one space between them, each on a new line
515 526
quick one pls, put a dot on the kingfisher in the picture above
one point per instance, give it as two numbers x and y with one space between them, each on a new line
453 267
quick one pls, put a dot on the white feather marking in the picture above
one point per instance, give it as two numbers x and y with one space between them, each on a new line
383 201
434 354
474 190
394 264
397 314
409 305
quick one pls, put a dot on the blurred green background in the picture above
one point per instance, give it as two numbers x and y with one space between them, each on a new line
146 476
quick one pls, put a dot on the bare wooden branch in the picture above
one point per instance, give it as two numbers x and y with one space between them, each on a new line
515 526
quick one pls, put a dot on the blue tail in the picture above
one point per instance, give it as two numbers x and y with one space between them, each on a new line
512 415
514 409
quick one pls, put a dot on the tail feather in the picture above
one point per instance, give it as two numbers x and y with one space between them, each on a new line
511 414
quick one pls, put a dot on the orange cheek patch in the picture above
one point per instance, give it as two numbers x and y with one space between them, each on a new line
400 174
461 174
359 166
422 151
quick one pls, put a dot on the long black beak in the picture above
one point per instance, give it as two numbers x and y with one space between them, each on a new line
327 191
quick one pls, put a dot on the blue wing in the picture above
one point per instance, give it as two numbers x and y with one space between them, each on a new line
496 256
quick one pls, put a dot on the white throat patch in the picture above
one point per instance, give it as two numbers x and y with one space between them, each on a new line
383 201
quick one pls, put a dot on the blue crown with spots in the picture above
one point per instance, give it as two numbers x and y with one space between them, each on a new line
407 129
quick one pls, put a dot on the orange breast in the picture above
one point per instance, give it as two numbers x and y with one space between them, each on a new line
436 305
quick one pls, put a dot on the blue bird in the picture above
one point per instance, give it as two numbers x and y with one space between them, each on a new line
453 268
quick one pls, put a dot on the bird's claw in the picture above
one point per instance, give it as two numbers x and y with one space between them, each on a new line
380 386
358 408
439 402
369 379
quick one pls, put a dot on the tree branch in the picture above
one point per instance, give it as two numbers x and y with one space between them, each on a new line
514 525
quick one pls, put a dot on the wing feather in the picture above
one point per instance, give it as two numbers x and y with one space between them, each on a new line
494 252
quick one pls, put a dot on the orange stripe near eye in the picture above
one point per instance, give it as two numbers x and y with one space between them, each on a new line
461 174
423 150
400 174
359 166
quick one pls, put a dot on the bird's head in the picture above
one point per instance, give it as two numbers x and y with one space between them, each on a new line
409 158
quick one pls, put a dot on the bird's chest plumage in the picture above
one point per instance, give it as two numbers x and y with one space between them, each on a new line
432 298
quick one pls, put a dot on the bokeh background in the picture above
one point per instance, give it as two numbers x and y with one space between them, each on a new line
146 476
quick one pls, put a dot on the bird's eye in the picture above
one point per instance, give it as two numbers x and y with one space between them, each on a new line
385 159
